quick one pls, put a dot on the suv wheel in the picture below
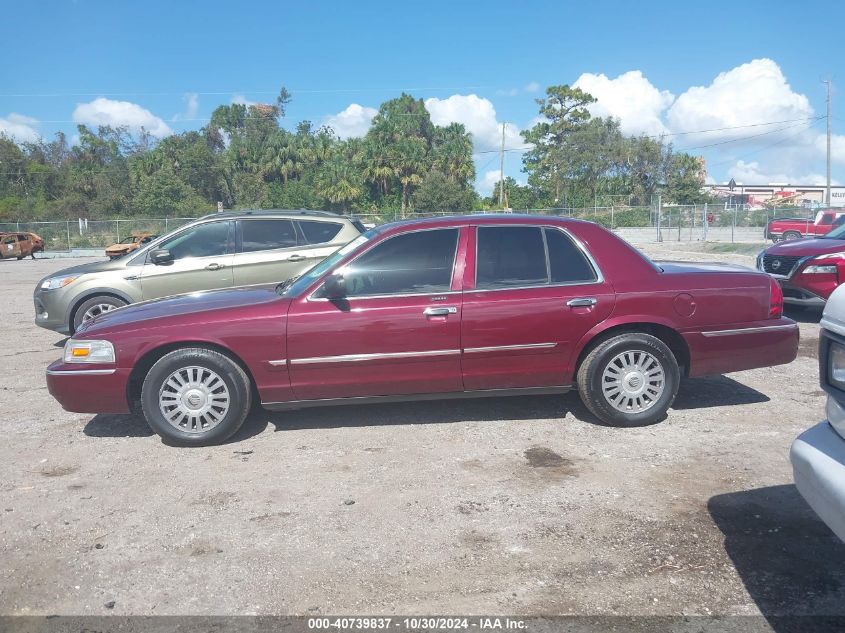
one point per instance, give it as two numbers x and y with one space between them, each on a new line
629 380
93 307
195 397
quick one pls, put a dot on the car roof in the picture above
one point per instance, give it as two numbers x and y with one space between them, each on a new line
275 213
478 219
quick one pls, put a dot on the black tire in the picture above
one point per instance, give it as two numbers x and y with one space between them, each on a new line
590 379
236 380
791 235
79 313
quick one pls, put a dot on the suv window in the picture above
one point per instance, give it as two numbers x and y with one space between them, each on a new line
205 240
567 263
413 263
509 256
265 235
319 232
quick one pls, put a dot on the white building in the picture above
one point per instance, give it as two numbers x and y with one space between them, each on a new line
779 194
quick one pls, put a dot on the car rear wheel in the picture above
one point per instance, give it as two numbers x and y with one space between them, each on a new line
629 380
94 307
791 235
195 397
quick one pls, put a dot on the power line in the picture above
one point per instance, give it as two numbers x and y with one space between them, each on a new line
745 138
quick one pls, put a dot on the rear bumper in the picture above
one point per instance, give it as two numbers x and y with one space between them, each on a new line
818 465
741 347
82 389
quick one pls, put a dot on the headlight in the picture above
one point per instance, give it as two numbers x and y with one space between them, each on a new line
836 367
89 352
812 270
58 282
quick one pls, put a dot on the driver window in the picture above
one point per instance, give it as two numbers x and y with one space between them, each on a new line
413 263
206 240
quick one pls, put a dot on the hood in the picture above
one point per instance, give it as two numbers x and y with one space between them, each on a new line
809 246
702 267
197 305
92 267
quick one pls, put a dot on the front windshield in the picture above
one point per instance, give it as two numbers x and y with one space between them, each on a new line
302 282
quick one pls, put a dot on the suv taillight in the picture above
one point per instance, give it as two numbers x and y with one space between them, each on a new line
775 299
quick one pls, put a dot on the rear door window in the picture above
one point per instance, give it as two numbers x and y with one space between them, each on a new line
510 256
266 235
319 232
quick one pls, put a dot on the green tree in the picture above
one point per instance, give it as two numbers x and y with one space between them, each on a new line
439 192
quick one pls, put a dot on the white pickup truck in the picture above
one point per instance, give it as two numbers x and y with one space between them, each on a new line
818 454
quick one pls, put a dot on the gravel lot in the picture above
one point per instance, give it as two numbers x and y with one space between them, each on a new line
513 506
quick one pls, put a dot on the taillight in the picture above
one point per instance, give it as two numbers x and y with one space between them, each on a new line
775 299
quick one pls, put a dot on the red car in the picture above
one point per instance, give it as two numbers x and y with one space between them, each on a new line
436 308
808 270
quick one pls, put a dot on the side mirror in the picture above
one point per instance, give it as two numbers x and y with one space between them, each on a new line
161 257
334 287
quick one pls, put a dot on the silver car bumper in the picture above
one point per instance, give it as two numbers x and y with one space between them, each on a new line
818 464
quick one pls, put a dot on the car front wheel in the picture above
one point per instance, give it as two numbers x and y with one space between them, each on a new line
791 235
94 307
629 380
195 397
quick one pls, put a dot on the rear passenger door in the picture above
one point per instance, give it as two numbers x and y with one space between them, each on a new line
270 250
10 246
536 294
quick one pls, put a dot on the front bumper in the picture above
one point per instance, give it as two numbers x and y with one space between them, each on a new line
798 296
818 465
89 389
51 310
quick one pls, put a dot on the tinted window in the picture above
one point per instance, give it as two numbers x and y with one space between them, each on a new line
827 219
567 263
265 235
319 232
510 256
414 263
205 240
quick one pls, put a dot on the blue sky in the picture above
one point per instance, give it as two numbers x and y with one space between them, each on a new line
661 67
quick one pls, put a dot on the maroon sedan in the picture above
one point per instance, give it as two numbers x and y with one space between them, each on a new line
808 270
437 308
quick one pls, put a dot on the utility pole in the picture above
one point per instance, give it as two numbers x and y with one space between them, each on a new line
502 169
828 141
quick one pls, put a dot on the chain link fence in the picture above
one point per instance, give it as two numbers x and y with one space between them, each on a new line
637 224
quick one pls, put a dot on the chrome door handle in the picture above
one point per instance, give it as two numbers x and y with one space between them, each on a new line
583 302
444 311
296 258
214 266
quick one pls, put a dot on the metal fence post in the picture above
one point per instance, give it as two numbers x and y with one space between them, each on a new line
611 217
659 237
68 234
117 230
706 222
733 226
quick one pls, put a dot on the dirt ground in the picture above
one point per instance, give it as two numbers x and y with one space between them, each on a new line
509 506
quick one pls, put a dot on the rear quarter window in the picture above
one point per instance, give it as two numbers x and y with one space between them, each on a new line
319 232
567 263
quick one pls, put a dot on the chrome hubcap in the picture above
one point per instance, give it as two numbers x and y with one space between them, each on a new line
194 399
97 310
633 381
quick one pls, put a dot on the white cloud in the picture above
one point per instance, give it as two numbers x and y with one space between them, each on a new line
102 111
192 105
532 86
631 98
488 181
751 173
19 128
242 100
752 93
354 121
478 116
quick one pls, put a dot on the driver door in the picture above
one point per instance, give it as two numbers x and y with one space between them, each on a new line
397 331
202 260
